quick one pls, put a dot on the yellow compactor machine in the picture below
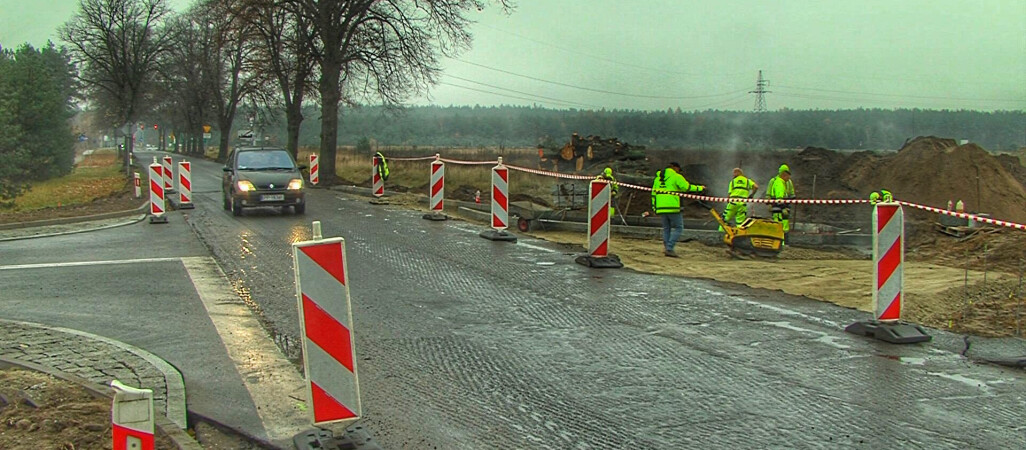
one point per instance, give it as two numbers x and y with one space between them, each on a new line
755 236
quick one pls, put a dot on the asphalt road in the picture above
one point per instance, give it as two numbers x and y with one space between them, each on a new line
468 343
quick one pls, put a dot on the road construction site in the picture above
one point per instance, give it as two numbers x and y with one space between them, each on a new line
961 275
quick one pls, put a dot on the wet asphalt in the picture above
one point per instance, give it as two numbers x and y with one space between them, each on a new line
468 343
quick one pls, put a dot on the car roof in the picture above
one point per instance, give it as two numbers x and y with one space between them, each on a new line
250 149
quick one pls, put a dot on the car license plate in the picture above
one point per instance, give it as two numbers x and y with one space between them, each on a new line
272 198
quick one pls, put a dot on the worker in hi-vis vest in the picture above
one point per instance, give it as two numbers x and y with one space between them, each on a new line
741 187
781 188
666 203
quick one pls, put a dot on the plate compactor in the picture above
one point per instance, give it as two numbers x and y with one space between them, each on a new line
755 236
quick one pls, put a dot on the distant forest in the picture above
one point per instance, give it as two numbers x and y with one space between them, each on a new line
518 126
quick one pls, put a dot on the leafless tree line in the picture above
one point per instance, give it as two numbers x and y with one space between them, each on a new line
139 59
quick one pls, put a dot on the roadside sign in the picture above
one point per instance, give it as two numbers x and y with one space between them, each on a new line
206 129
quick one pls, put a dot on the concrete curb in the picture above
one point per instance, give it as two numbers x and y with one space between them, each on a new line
181 439
176 411
76 219
85 229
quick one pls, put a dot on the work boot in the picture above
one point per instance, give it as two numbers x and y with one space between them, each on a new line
670 253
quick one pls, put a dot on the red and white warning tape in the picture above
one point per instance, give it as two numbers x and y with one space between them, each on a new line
458 161
414 158
962 215
796 201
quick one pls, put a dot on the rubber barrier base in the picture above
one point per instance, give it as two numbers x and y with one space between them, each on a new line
608 262
379 201
158 219
185 206
502 236
355 438
893 332
435 217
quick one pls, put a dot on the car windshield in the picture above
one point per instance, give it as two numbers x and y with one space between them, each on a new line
265 160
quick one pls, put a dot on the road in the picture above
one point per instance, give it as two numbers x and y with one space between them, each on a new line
468 343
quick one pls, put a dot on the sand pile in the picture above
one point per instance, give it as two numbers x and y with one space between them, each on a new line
931 171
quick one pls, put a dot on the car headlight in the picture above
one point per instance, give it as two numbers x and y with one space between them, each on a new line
244 186
296 184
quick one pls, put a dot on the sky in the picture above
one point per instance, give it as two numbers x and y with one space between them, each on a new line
700 54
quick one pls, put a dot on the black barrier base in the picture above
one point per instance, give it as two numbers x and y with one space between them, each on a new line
608 262
436 217
158 219
893 332
355 438
493 235
379 201
185 206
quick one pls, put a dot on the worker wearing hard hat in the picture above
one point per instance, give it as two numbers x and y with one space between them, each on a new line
874 198
781 189
382 165
741 187
666 203
614 188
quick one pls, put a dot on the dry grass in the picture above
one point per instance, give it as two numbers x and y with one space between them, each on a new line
97 176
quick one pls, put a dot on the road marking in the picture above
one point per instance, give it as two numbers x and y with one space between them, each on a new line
268 376
87 263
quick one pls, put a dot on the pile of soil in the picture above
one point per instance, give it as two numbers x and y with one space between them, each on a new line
933 171
40 411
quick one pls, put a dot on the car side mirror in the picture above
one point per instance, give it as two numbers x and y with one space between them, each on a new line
226 169
301 167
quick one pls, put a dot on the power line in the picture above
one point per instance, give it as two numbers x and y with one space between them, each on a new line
928 97
609 60
503 95
602 91
519 92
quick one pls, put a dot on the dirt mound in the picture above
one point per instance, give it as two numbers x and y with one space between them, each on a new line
932 171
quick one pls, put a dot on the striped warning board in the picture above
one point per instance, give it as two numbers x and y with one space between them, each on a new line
888 256
169 180
598 222
500 197
315 169
185 185
437 186
378 184
326 321
156 190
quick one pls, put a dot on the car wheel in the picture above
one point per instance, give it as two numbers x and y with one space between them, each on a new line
300 208
236 207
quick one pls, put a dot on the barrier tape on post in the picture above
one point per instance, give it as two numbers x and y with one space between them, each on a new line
185 185
315 169
326 323
796 201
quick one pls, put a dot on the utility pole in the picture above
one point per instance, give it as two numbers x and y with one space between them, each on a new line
760 91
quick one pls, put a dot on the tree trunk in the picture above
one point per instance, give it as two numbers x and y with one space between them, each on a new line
329 90
293 118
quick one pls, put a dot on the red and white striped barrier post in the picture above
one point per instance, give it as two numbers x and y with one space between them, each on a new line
377 184
138 184
326 322
169 176
157 207
500 205
132 417
888 280
185 185
437 191
598 228
315 169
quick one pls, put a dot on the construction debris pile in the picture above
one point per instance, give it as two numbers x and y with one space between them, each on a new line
584 153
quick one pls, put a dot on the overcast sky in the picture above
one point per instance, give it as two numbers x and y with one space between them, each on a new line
698 54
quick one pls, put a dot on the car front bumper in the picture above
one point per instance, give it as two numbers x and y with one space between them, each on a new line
271 197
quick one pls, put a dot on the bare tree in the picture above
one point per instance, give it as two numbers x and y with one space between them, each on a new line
117 43
285 57
384 50
185 73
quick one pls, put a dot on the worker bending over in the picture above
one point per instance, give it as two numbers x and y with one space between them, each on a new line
741 187
614 188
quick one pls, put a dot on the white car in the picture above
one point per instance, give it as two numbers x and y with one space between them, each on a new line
151 148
